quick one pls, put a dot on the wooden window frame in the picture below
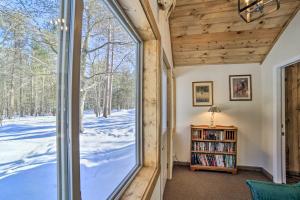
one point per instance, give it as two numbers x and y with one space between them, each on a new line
141 16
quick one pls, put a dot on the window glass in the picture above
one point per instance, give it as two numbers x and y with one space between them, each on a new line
28 57
109 74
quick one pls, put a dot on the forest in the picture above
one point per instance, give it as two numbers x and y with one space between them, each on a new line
29 44
30 49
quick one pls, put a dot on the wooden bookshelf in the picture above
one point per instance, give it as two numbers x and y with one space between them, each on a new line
214 148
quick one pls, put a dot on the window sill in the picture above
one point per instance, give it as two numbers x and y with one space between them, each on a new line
143 184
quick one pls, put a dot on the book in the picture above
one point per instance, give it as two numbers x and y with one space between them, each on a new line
228 161
213 135
214 147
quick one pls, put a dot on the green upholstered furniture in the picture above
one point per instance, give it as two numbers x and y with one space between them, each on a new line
261 190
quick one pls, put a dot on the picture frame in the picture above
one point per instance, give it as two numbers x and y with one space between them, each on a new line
202 93
240 87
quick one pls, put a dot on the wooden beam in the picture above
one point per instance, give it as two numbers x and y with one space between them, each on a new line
202 8
230 44
227 36
134 8
219 60
151 18
221 52
272 22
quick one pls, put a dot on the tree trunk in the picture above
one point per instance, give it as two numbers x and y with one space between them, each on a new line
111 75
83 90
35 97
11 101
82 100
21 97
107 77
31 96
42 100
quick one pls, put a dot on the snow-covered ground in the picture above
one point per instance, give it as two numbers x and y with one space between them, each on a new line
28 156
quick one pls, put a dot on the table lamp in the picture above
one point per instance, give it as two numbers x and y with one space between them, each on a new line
213 109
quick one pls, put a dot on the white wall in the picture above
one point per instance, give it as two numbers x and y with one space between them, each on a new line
246 115
286 50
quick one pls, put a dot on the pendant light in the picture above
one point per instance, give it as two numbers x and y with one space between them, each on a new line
250 10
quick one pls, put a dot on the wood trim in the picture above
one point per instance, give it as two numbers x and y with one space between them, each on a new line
256 169
153 183
280 33
208 168
217 127
293 173
170 113
165 59
144 183
181 163
171 43
149 14
267 174
249 168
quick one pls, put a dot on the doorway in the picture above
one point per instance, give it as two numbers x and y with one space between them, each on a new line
164 127
168 118
291 122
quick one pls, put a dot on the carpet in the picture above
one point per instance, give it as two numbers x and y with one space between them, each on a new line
207 185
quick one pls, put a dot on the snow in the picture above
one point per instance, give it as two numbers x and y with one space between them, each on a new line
28 156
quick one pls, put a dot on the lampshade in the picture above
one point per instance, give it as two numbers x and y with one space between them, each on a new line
214 109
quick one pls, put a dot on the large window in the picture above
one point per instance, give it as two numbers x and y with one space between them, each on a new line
108 108
28 57
39 141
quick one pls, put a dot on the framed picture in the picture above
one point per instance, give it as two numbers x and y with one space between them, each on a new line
203 93
240 88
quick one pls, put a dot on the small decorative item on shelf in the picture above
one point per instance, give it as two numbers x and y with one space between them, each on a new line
214 148
213 109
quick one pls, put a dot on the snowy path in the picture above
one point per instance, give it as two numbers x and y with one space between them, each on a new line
28 156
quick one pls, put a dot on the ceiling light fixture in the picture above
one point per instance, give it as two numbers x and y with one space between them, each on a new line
251 10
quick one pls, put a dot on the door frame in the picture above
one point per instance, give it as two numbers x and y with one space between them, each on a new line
283 127
170 114
279 169
164 135
166 67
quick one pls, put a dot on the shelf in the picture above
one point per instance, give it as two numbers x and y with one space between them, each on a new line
213 168
217 127
201 140
227 135
214 152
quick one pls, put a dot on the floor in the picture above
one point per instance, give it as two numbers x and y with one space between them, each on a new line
290 179
190 185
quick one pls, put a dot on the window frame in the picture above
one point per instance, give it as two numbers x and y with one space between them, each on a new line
68 94
68 100
118 12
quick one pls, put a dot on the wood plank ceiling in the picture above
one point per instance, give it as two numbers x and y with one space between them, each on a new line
211 32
